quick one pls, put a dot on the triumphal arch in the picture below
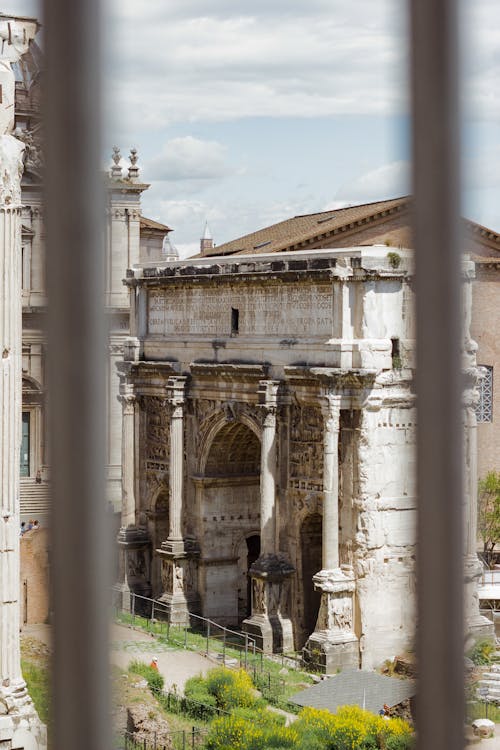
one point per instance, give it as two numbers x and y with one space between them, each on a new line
269 446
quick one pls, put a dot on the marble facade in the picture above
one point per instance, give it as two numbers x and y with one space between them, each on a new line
272 436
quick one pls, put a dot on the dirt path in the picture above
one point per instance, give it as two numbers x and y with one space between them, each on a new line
175 666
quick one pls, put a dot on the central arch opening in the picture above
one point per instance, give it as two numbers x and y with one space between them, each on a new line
231 518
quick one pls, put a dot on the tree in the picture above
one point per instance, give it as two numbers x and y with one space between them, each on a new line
489 513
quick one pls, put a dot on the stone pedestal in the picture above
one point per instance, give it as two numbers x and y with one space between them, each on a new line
334 645
270 624
134 549
179 568
477 626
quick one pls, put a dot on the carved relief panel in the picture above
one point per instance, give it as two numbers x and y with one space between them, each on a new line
306 448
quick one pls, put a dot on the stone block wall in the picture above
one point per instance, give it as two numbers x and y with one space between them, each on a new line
34 575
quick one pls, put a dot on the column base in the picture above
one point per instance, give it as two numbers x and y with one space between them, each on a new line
273 634
179 608
333 645
133 544
178 574
477 626
20 725
330 653
269 622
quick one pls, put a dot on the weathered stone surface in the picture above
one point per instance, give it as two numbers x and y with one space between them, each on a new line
298 417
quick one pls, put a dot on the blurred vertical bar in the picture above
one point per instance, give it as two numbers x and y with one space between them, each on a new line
76 341
436 187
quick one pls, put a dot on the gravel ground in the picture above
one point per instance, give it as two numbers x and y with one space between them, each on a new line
127 644
175 666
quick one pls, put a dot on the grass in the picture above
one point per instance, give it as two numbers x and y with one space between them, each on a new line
35 667
477 710
37 680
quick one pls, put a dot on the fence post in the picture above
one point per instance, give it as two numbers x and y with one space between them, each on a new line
183 739
133 608
208 634
224 648
144 744
192 736
155 741
185 635
152 613
246 650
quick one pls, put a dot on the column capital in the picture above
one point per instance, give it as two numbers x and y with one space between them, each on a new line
330 405
268 393
127 398
176 388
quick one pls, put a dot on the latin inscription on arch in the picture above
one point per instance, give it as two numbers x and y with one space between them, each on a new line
282 310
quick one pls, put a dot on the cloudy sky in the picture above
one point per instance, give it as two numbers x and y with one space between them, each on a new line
246 113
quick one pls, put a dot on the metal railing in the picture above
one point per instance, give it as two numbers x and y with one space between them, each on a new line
182 739
218 640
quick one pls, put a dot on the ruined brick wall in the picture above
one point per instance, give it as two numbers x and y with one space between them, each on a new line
35 577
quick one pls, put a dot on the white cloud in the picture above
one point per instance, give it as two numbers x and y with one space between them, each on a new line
188 158
178 63
388 181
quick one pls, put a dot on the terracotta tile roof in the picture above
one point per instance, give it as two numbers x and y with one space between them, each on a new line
313 230
153 225
292 232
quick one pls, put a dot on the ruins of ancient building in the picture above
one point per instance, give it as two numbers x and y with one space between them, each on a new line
269 445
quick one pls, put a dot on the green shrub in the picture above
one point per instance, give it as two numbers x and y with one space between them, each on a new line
482 652
199 703
230 689
400 742
154 678
233 733
261 716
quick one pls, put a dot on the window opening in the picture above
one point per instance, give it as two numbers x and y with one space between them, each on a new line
235 321
484 409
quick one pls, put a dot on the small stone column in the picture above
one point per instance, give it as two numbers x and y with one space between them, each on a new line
476 624
178 554
176 479
333 644
133 541
270 622
128 460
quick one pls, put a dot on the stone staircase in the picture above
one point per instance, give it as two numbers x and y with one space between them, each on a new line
35 499
491 680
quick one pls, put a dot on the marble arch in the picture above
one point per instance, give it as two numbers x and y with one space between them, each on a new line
303 410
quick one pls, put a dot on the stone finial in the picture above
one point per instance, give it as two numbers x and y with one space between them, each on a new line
116 170
133 170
